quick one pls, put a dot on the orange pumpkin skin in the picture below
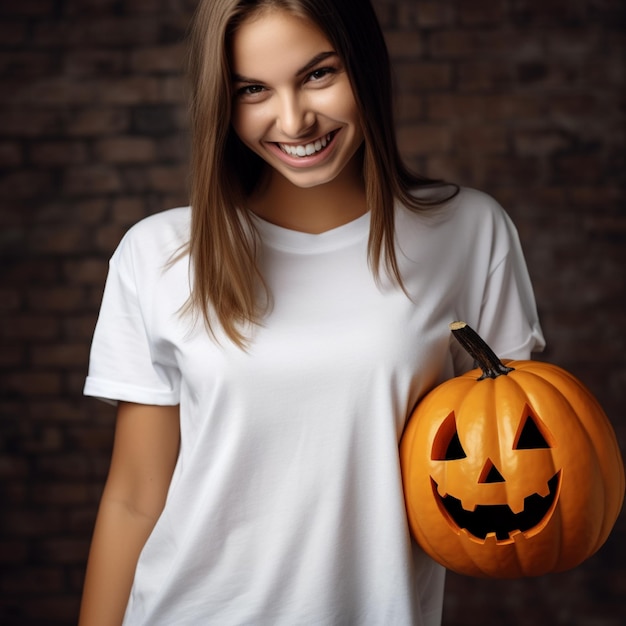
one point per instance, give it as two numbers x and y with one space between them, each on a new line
575 449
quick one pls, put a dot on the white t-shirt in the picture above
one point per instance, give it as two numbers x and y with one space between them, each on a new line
286 504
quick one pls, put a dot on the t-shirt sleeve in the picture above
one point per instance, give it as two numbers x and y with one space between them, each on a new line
121 364
507 319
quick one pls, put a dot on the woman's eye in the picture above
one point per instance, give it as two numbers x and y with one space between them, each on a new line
250 90
320 73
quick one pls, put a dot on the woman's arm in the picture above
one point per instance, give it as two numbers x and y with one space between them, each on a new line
145 450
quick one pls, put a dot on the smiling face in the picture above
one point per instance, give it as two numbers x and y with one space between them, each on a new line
498 499
293 104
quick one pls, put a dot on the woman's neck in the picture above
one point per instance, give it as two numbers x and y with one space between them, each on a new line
313 209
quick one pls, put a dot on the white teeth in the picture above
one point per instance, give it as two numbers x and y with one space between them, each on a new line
305 149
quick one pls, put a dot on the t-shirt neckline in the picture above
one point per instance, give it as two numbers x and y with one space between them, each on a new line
305 243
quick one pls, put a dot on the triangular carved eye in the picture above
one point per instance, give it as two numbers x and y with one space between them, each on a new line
447 445
532 434
455 449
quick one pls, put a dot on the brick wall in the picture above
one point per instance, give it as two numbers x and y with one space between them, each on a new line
520 98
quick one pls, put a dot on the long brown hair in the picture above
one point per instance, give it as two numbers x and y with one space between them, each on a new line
227 287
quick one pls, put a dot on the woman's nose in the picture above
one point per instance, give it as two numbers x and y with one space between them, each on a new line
294 117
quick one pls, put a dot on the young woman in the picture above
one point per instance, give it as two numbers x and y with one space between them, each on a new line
266 345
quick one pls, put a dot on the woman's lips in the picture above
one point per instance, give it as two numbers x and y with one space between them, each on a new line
304 154
307 149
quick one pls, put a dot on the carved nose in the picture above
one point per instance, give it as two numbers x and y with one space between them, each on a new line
490 474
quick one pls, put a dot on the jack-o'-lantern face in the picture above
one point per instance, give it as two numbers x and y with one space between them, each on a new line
513 473
474 488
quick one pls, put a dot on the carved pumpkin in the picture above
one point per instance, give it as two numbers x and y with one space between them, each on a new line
511 472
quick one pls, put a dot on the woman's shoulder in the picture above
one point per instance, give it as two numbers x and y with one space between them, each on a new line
476 203
471 223
158 234
164 224
450 199
464 209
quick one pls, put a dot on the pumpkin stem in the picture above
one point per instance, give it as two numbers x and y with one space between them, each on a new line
484 356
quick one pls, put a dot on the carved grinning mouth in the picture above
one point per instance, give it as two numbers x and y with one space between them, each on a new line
499 518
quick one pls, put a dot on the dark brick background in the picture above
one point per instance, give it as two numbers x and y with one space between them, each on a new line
520 98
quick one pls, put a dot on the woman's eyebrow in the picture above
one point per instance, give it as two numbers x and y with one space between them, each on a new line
318 58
